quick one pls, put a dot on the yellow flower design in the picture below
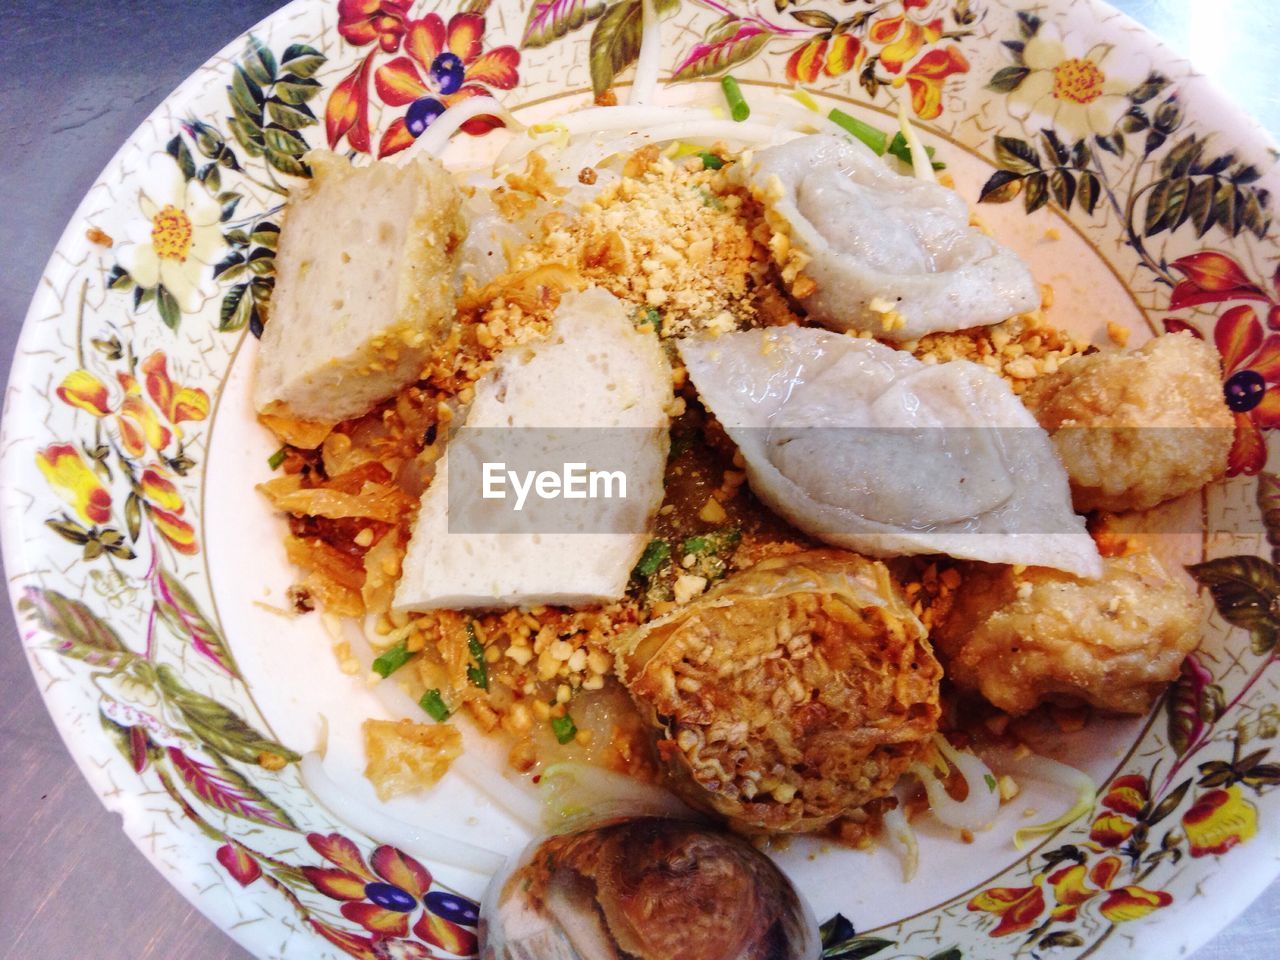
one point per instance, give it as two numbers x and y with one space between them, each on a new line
1219 820
1077 91
75 482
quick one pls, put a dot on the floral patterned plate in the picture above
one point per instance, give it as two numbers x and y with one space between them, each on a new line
147 575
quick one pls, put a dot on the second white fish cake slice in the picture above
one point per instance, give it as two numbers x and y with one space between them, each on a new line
594 391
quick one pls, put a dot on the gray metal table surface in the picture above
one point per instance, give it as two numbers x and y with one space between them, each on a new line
75 80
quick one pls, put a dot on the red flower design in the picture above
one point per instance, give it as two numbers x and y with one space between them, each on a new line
239 862
445 64
1119 906
384 897
363 21
833 57
1251 371
1126 797
1017 907
176 402
903 39
926 77
1211 277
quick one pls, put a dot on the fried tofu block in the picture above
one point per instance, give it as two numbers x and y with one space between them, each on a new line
1137 428
364 287
1043 636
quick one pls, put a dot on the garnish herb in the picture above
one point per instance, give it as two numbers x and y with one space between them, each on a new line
277 458
738 108
392 659
433 704
877 140
710 161
564 728
478 672
654 556
650 318
716 542
990 782
898 147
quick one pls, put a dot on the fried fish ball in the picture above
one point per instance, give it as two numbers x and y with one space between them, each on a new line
1022 639
791 693
1135 429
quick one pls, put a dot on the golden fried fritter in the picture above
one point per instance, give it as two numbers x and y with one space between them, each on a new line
792 693
1022 639
1135 429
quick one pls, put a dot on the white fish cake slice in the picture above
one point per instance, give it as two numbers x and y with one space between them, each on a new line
364 287
595 387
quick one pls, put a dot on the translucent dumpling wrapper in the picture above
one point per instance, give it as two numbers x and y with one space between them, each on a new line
792 693
865 447
646 888
864 247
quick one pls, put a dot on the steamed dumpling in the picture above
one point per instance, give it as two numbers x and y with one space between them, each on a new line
865 447
869 249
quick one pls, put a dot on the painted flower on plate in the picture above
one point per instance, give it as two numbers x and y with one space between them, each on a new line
445 65
1125 799
925 79
1079 91
388 896
178 403
1119 905
361 22
820 56
74 480
1219 820
1017 907
176 241
1251 372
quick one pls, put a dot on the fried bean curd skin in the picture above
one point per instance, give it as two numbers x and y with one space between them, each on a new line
790 694
1135 429
1041 636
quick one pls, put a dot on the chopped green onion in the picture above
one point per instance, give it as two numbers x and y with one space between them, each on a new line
695 545
654 556
717 542
710 161
478 672
990 782
877 140
434 706
564 728
277 458
898 147
738 108
392 660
